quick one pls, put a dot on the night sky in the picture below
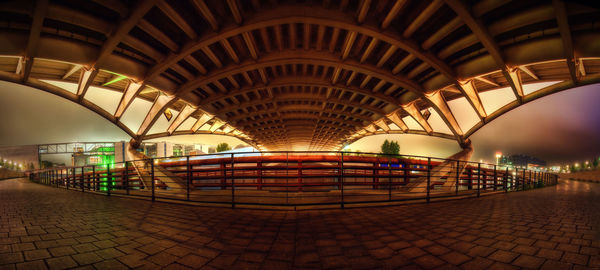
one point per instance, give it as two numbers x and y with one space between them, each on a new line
561 127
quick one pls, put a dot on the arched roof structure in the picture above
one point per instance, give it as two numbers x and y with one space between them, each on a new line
301 74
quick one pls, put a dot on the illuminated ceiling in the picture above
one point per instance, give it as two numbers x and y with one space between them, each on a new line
300 74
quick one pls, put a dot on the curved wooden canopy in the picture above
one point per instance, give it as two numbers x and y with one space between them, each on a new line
300 74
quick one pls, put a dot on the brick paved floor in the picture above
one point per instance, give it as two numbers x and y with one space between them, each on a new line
550 228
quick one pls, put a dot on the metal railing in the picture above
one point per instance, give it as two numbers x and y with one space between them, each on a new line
295 178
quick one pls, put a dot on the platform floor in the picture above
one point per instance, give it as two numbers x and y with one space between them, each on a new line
551 228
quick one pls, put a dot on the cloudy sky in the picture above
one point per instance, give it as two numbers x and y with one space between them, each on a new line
561 127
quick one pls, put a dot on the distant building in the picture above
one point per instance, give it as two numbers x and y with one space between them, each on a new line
521 161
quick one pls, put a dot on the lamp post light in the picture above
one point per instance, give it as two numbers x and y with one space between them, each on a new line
498 156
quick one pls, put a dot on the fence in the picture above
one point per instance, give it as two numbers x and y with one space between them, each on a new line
295 178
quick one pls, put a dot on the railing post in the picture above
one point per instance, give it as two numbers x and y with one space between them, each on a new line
478 179
470 186
495 178
152 177
108 179
94 176
524 175
189 177
506 181
530 181
68 179
259 172
342 179
232 181
376 175
299 172
224 176
405 169
82 178
428 177
457 175
389 179
126 178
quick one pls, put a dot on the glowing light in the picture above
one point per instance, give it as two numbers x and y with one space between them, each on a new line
498 154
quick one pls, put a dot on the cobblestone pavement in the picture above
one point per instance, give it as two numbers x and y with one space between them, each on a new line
550 228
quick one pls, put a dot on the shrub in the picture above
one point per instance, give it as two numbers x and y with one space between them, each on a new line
390 148
223 147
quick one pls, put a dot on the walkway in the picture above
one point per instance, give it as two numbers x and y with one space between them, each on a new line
551 228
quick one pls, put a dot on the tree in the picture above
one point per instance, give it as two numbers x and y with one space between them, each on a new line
223 147
385 147
595 163
390 148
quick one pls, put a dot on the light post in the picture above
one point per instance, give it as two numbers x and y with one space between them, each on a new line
498 156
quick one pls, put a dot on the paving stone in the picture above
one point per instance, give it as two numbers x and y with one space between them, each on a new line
529 250
428 261
503 256
522 232
553 265
32 265
87 258
527 261
575 258
109 253
549 254
455 258
193 261
37 254
477 263
61 251
110 264
63 262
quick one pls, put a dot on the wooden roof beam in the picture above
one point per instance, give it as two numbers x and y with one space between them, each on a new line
442 33
235 11
161 103
181 117
39 13
209 53
174 16
565 34
230 51
249 39
206 13
320 36
369 49
422 18
413 111
347 46
395 118
442 108
158 35
488 42
390 51
392 13
363 10
203 119
129 94
469 91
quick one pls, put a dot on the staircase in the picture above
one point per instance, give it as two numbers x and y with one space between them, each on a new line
142 165
445 172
